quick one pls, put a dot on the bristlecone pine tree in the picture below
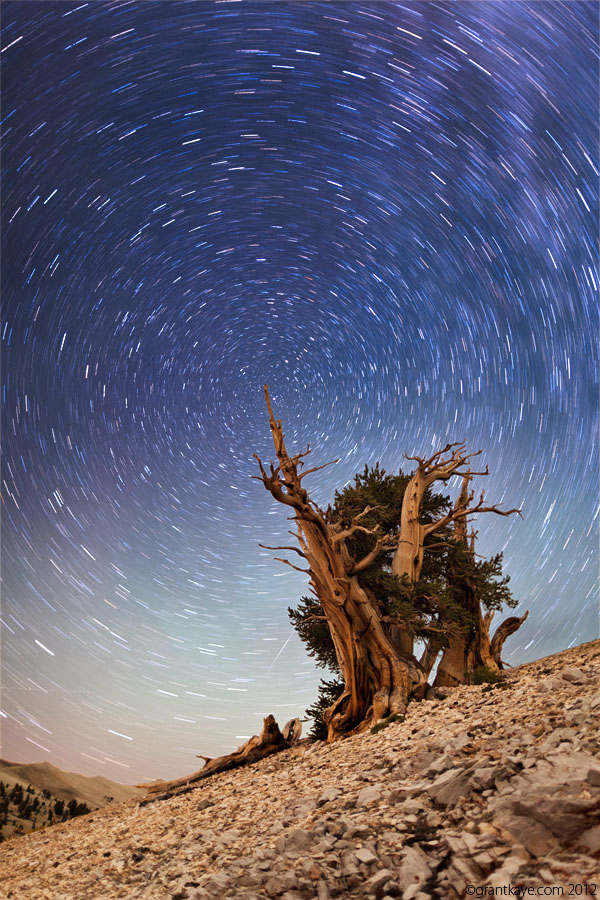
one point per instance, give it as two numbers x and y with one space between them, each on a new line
380 574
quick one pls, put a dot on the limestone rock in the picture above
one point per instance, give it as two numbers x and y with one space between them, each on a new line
329 794
534 836
449 787
484 779
565 817
364 855
294 841
574 675
377 881
439 765
369 795
415 869
493 788
590 839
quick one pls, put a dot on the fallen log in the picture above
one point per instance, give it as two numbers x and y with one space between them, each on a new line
270 740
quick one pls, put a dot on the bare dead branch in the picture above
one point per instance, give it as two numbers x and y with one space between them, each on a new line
426 463
270 741
295 549
277 432
354 526
318 468
292 566
365 512
297 459
494 509
321 513
439 544
343 535
261 467
455 514
445 469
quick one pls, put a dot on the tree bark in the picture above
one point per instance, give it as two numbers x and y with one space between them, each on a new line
508 627
466 652
430 654
408 558
378 676
270 741
467 648
443 465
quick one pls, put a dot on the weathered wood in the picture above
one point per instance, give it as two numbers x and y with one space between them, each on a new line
469 648
443 465
269 741
292 731
503 631
378 678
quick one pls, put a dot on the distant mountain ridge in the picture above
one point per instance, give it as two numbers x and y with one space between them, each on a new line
51 784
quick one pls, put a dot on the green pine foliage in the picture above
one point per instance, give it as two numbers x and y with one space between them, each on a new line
384 493
329 691
491 588
308 618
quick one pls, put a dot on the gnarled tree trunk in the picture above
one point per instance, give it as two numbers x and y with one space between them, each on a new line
443 465
466 652
470 648
378 677
408 558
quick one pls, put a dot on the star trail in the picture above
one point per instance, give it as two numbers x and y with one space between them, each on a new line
385 211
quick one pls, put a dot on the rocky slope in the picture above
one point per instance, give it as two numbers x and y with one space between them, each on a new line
490 785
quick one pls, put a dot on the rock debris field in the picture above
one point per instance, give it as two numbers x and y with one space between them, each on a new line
486 786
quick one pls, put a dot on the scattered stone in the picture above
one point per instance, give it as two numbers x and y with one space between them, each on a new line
365 856
450 787
274 886
484 779
441 764
415 869
590 839
368 795
574 675
565 817
481 788
329 794
535 837
377 881
294 841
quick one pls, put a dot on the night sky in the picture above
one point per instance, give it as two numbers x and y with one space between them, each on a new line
385 211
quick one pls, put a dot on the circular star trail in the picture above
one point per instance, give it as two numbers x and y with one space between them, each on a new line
385 211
